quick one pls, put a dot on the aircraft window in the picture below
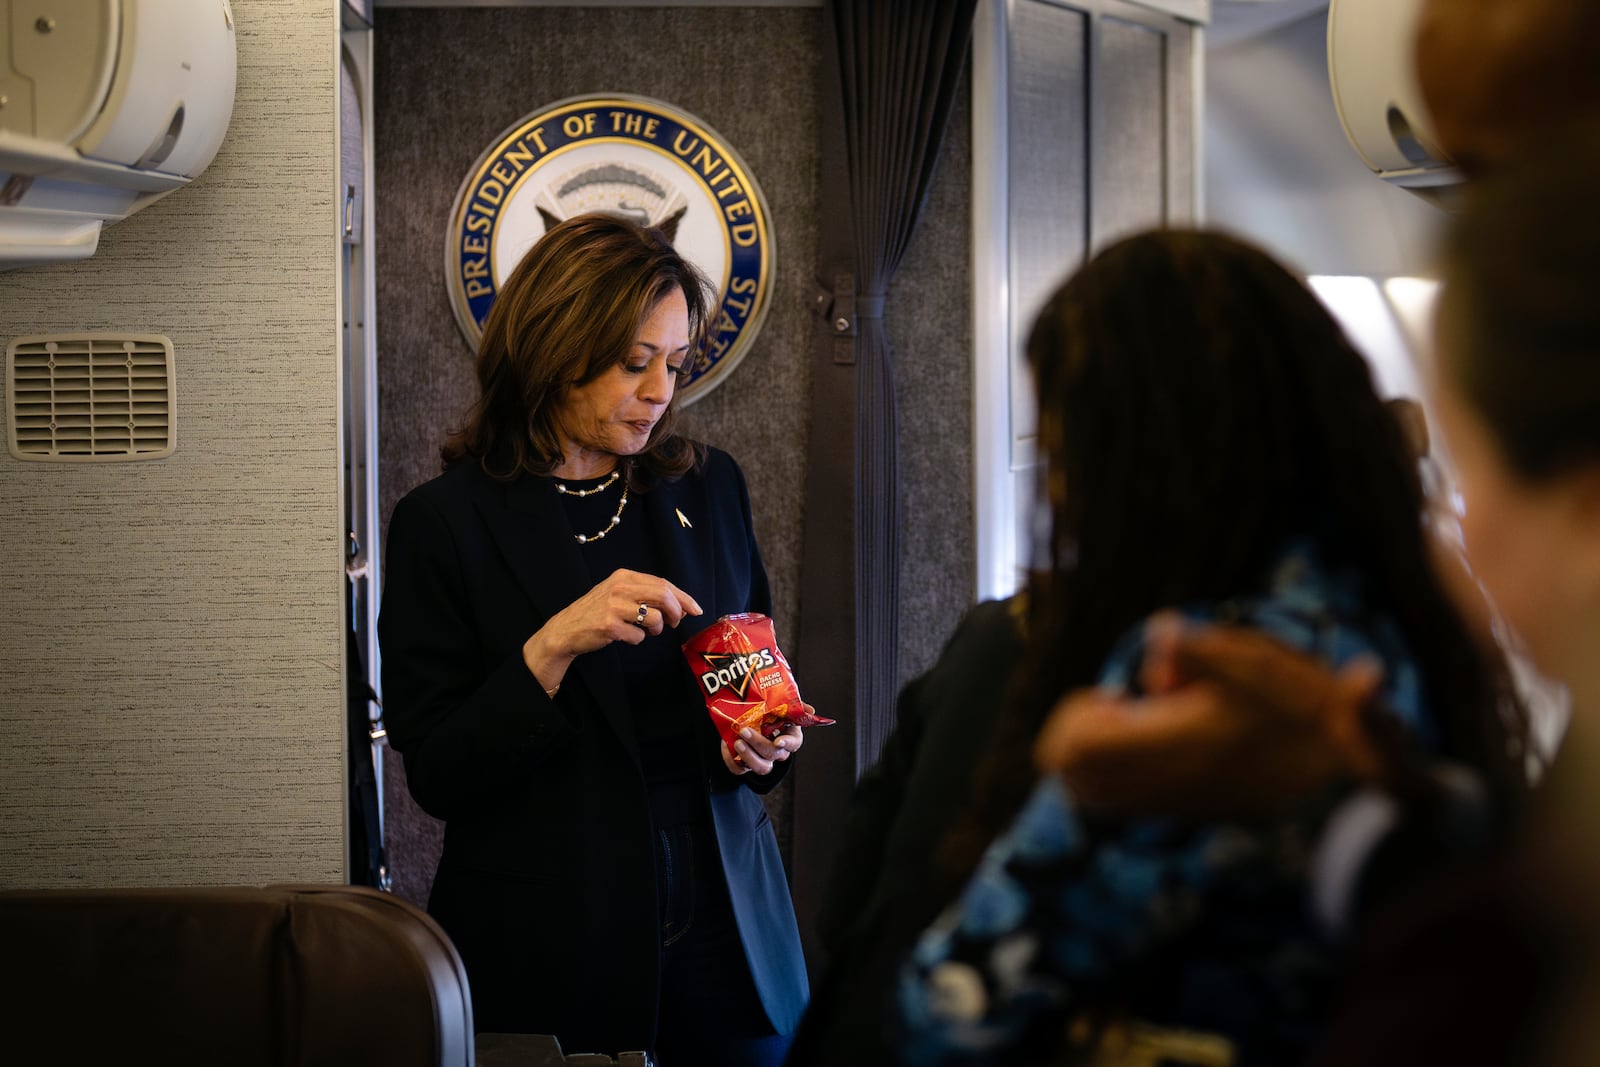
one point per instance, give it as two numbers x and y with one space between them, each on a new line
1379 329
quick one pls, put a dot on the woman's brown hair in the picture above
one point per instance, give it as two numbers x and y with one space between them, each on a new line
568 314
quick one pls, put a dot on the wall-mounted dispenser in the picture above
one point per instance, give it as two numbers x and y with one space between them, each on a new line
105 106
1375 89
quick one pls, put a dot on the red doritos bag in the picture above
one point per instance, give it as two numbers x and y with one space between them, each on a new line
745 680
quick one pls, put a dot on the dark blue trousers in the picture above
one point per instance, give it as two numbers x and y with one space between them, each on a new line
710 1015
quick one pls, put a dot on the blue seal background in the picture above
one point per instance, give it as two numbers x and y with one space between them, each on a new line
752 261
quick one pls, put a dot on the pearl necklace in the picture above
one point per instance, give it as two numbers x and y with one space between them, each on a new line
616 517
602 487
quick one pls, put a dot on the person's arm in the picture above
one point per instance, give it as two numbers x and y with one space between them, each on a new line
1234 723
874 806
469 728
1231 722
906 803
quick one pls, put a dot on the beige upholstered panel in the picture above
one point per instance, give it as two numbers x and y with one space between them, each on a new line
171 709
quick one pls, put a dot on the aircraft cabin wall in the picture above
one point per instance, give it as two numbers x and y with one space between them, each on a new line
171 706
1279 169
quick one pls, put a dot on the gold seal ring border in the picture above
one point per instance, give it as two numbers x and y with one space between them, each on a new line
753 323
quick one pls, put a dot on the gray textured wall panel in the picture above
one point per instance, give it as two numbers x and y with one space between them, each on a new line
172 709
929 320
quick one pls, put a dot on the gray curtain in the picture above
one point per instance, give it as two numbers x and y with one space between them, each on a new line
890 71
899 64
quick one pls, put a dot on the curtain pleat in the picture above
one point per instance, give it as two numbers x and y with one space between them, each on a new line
904 60
889 74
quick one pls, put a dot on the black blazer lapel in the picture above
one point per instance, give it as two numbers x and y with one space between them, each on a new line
533 535
682 523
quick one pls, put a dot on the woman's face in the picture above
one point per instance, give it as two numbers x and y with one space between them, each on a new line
1523 539
614 414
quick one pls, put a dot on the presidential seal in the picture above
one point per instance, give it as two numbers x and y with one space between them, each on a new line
629 156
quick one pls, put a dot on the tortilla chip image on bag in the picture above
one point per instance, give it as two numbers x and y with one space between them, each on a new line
744 678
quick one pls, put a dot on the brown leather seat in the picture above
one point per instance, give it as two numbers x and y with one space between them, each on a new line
276 976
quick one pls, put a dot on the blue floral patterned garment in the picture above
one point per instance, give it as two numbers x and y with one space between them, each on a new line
1063 910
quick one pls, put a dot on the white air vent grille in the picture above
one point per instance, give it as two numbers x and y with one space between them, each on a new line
90 397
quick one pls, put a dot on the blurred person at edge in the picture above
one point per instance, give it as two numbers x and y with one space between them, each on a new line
1500 964
1497 74
609 872
1215 448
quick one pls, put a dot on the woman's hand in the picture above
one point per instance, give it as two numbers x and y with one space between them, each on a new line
758 755
1232 723
628 606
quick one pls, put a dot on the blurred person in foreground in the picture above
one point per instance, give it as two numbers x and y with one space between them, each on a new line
1216 450
1502 964
1498 74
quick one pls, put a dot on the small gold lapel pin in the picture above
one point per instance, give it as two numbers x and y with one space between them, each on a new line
683 520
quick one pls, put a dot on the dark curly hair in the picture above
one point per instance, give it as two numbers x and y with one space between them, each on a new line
1200 409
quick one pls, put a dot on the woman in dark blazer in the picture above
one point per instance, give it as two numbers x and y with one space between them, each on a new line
609 873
